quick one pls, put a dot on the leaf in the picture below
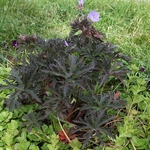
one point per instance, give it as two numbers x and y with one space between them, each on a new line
33 137
12 127
116 95
54 142
104 79
73 61
53 73
4 115
18 79
34 147
139 143
33 95
141 81
33 119
138 98
8 138
120 141
12 102
62 136
75 143
23 145
86 69
22 137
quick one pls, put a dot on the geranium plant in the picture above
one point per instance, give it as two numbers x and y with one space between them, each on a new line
61 76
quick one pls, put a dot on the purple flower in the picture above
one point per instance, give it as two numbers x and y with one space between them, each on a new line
142 69
80 3
14 43
94 16
66 43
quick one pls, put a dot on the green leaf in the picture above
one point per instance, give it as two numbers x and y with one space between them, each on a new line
22 138
54 142
8 118
4 71
134 68
2 143
136 89
138 99
22 146
45 128
109 148
52 146
75 144
12 127
139 143
124 148
9 148
48 129
2 95
141 81
2 82
3 115
8 138
33 137
1 128
33 147
124 133
75 148
120 141
54 139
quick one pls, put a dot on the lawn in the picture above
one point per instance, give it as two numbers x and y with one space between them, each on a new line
125 24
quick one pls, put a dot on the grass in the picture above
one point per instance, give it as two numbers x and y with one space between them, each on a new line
125 23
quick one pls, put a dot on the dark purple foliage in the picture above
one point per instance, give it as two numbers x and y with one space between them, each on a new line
61 75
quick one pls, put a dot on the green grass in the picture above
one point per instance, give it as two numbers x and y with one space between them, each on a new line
125 23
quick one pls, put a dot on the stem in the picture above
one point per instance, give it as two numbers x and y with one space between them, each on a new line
133 145
63 130
130 109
